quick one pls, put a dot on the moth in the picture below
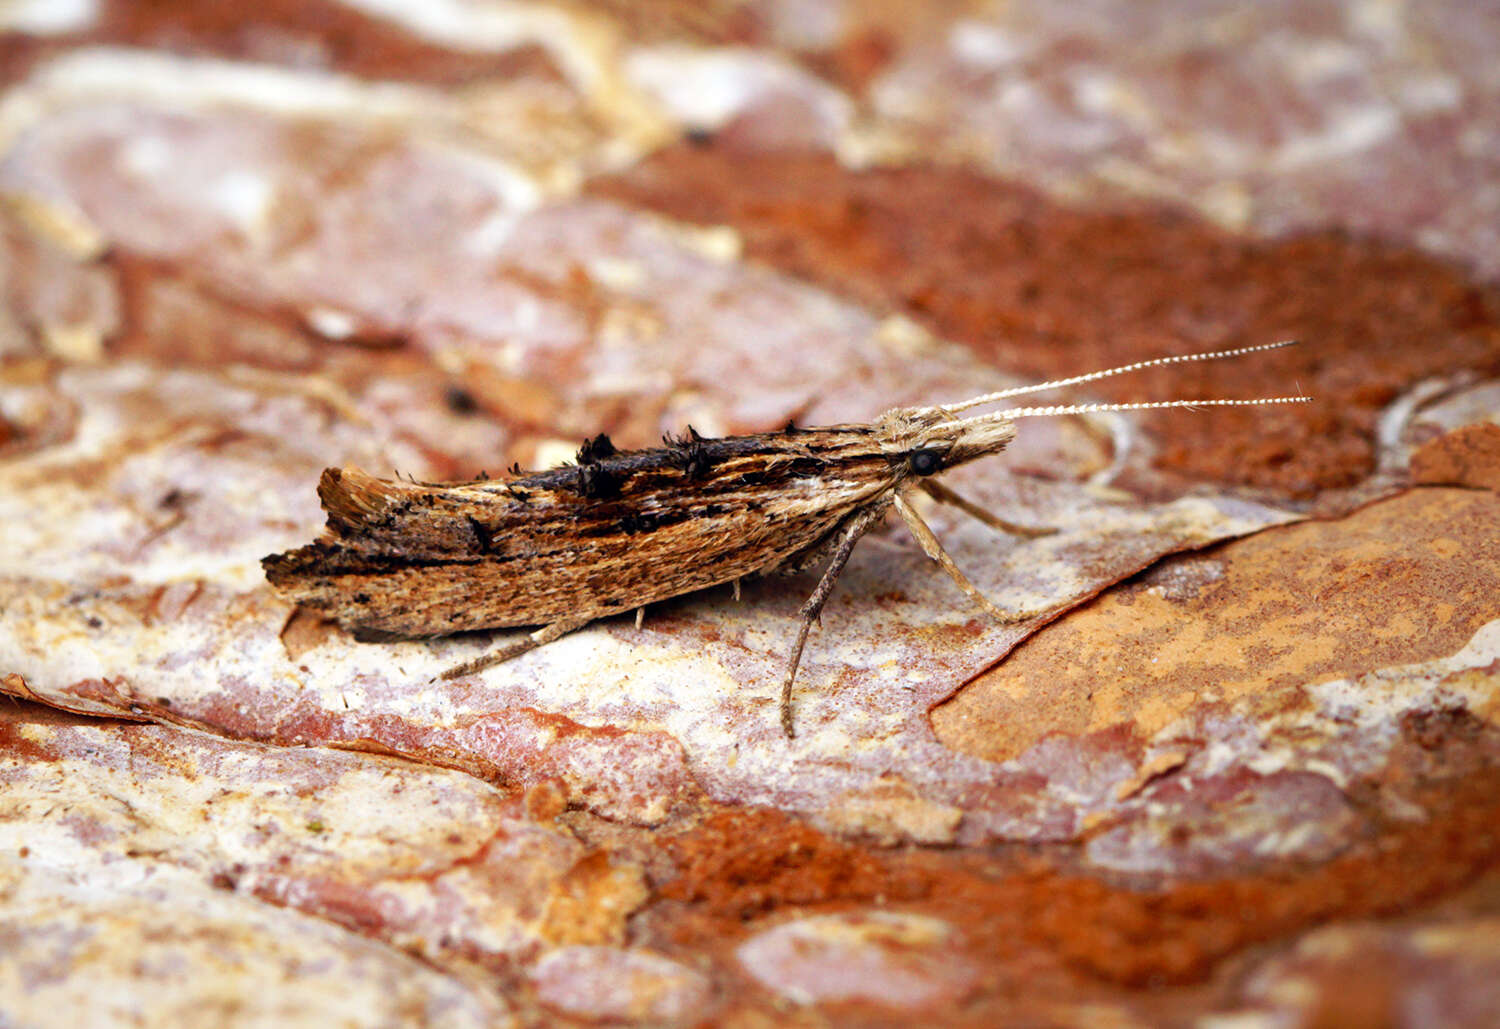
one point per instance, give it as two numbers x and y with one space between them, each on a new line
619 530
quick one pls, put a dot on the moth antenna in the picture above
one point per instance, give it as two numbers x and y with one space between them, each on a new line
1074 380
1039 412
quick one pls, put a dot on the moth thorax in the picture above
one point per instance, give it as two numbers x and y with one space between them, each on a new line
911 428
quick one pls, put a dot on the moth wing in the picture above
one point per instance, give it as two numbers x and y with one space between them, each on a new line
405 559
410 559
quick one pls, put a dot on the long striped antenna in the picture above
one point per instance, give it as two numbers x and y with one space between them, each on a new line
1157 362
1042 412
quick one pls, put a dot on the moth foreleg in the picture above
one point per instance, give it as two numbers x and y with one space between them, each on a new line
546 634
943 495
933 549
812 607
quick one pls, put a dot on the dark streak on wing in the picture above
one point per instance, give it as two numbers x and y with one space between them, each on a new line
666 465
617 530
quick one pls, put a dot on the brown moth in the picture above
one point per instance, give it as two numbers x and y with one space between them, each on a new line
623 529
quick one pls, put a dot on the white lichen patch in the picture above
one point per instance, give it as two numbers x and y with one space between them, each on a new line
703 89
897 960
141 819
48 17
629 985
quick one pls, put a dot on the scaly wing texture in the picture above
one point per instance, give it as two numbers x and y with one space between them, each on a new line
604 536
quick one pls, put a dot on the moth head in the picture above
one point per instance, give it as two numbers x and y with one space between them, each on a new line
928 440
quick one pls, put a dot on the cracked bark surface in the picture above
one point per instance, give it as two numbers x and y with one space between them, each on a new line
1246 769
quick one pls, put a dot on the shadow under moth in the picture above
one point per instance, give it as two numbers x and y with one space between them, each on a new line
622 529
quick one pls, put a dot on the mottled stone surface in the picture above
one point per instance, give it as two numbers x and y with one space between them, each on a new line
1237 766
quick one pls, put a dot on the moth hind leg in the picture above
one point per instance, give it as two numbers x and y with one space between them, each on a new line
933 549
546 634
812 607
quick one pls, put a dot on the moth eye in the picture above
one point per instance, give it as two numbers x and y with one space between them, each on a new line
926 462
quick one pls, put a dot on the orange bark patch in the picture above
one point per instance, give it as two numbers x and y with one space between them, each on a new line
1469 456
1028 922
1397 583
741 864
1177 934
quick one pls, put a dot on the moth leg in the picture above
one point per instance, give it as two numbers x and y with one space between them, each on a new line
812 607
640 616
943 495
934 550
546 634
